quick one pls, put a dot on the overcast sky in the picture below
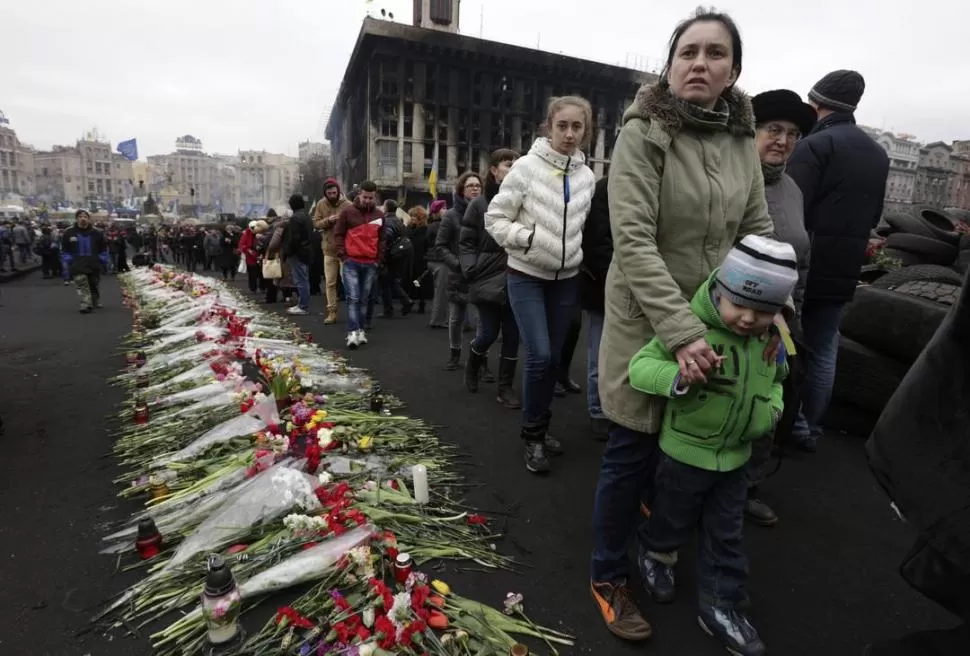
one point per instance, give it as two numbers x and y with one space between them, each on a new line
261 73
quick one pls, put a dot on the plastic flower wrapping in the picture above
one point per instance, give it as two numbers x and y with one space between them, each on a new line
242 438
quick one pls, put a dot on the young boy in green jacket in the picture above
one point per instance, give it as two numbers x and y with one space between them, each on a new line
707 433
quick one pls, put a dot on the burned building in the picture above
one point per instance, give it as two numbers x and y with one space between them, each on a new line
414 93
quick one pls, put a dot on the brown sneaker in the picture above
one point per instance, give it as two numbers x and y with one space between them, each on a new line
620 612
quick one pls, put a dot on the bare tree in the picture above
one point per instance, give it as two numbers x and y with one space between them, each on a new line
313 174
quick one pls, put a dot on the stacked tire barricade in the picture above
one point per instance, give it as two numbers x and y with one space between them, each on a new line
918 263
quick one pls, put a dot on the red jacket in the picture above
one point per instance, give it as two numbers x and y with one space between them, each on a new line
247 246
358 236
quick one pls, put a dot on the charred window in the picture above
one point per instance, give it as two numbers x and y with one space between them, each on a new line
441 12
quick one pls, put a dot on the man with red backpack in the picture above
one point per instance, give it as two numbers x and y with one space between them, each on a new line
358 238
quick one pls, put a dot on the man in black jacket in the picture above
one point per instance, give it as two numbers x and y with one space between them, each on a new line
298 251
842 174
83 252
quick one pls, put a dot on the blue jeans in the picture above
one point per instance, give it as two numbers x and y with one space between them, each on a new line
626 477
820 332
372 298
543 310
593 337
358 281
301 280
494 319
686 494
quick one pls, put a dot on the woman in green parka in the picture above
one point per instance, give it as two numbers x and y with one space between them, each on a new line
685 185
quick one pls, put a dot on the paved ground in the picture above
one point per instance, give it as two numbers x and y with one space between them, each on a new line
823 582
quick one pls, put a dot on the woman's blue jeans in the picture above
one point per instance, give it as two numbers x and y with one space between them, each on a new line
495 319
543 310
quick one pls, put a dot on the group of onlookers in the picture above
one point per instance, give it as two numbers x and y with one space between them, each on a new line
712 265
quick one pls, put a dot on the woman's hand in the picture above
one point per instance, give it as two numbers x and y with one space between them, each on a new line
695 360
773 348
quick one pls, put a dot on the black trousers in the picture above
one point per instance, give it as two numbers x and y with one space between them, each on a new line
253 272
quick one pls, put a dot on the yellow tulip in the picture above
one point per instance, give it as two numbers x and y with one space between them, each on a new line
320 415
441 587
365 442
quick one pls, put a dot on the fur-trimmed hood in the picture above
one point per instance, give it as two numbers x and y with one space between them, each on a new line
654 102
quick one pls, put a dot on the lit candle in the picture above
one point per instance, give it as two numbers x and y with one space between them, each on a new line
420 475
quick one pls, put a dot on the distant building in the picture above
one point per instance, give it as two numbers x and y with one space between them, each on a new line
106 174
191 181
904 154
16 162
411 91
88 173
58 177
265 180
310 149
934 176
960 167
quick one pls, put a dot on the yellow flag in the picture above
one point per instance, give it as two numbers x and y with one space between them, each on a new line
433 176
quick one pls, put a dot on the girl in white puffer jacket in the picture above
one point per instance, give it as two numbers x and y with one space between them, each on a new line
538 217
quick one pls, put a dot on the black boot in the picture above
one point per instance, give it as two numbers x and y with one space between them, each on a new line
536 460
506 378
487 375
473 369
454 360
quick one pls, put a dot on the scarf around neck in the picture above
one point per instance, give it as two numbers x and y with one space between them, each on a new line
772 172
711 119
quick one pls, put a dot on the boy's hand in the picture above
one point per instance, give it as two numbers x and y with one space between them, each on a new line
695 360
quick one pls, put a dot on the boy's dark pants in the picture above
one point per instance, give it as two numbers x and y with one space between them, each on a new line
684 495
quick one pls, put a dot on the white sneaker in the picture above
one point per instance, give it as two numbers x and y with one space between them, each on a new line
352 342
361 337
296 309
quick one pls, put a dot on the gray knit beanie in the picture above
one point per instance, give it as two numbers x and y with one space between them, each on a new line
758 273
840 91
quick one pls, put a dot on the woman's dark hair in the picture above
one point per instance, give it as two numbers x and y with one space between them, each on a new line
271 214
706 15
496 158
390 206
462 180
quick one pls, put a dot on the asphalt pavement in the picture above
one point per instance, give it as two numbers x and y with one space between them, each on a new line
823 581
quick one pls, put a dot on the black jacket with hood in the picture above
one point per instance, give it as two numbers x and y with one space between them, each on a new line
842 174
919 452
597 251
483 262
446 249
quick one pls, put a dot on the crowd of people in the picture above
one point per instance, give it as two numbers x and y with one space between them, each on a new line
710 267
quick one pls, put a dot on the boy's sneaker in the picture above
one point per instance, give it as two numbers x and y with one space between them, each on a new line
620 612
352 342
361 337
657 577
536 460
732 629
296 309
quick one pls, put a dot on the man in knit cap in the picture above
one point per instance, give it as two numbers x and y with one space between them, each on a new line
324 219
842 174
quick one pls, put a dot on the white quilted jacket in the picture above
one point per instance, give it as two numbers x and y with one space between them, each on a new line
539 212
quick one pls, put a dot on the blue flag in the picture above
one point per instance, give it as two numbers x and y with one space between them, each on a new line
129 149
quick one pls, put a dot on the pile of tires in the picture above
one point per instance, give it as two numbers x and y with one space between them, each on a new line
884 329
925 237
